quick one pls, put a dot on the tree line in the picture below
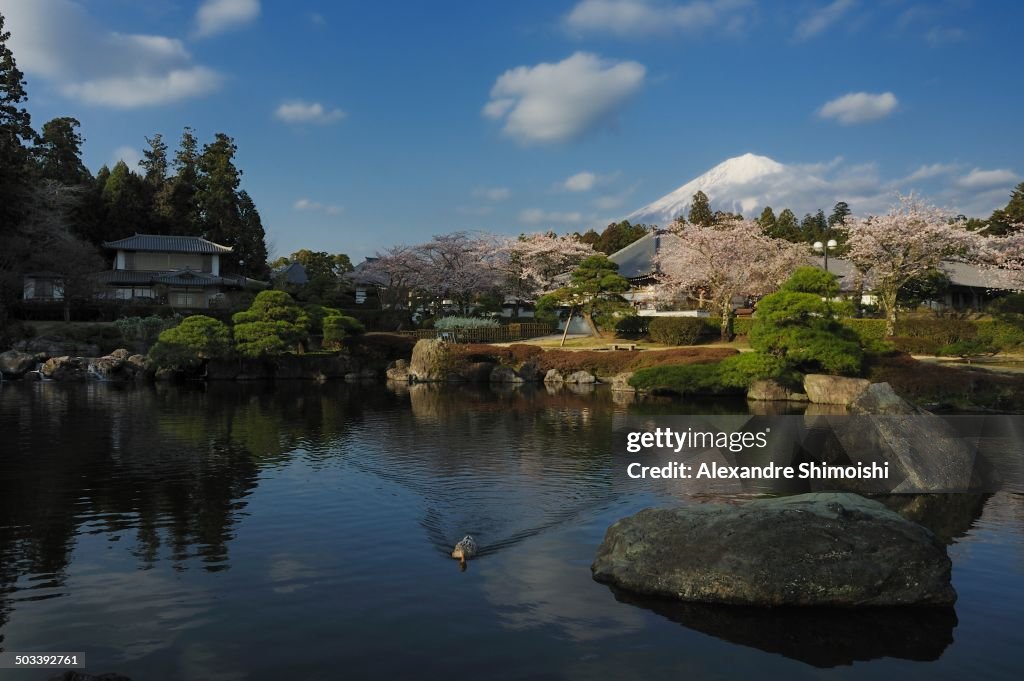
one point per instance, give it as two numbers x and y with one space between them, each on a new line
55 214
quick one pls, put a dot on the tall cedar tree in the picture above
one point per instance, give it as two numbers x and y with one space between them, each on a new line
700 210
59 152
176 201
1008 220
15 132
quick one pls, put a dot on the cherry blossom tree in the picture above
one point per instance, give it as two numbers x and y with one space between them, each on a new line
533 262
457 266
1004 255
717 263
910 240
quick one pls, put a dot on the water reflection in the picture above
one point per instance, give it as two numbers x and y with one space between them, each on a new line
821 637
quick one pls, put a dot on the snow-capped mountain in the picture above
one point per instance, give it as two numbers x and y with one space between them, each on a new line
744 184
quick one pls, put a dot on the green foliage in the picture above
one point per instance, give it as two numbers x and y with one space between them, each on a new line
452 323
739 371
264 338
337 327
615 236
1003 220
740 325
1001 334
811 280
273 324
944 330
59 152
687 379
196 338
800 326
968 348
632 326
700 210
871 333
676 330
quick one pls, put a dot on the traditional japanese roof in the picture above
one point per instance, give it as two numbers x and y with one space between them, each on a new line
164 243
637 259
959 273
361 275
293 273
186 277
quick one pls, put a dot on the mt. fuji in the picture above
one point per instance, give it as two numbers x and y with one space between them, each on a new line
743 184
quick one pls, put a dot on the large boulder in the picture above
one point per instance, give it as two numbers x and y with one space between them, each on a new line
431 361
768 390
620 382
581 377
554 376
66 368
825 389
881 399
823 549
15 364
530 372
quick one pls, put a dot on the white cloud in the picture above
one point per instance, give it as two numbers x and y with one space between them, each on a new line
217 16
560 102
635 18
60 42
130 155
926 172
820 19
534 216
580 182
309 206
493 193
978 178
298 111
859 107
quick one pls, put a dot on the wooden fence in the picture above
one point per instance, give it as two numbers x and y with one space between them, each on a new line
500 334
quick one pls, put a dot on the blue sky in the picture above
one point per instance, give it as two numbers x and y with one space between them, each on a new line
365 124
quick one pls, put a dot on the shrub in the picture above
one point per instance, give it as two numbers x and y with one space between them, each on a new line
945 330
676 330
452 323
273 325
196 338
1000 334
739 371
597 362
968 348
801 328
632 326
336 327
917 345
692 379
871 333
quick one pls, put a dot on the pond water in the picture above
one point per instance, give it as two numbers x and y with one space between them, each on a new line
300 531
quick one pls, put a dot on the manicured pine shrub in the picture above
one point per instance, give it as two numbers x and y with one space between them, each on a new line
676 330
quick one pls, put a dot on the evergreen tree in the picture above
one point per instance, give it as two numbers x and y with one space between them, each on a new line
617 236
15 132
59 152
124 198
176 200
840 212
767 221
813 227
700 210
217 197
154 162
1003 220
251 246
786 227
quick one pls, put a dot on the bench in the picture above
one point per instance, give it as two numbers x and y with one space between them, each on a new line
622 346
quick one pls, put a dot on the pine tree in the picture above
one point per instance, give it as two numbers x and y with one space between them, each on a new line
59 152
787 227
154 162
175 202
217 197
251 246
124 198
700 210
767 221
840 212
1003 220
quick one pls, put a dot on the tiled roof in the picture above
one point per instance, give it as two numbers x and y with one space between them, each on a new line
184 277
163 243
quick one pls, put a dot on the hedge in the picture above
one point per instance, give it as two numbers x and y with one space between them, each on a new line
676 330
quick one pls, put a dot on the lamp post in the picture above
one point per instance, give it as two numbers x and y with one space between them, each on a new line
825 248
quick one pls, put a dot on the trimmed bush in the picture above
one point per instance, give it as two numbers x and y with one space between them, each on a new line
946 330
632 326
196 338
676 330
740 326
273 325
739 371
691 379
337 327
917 345
1000 334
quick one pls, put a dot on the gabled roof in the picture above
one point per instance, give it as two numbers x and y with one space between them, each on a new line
637 259
164 243
186 277
293 273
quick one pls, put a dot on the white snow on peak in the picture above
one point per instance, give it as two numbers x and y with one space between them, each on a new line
743 184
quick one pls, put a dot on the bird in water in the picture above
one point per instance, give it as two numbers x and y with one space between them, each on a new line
464 550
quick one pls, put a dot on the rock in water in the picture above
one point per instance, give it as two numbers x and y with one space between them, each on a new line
824 549
824 389
15 364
